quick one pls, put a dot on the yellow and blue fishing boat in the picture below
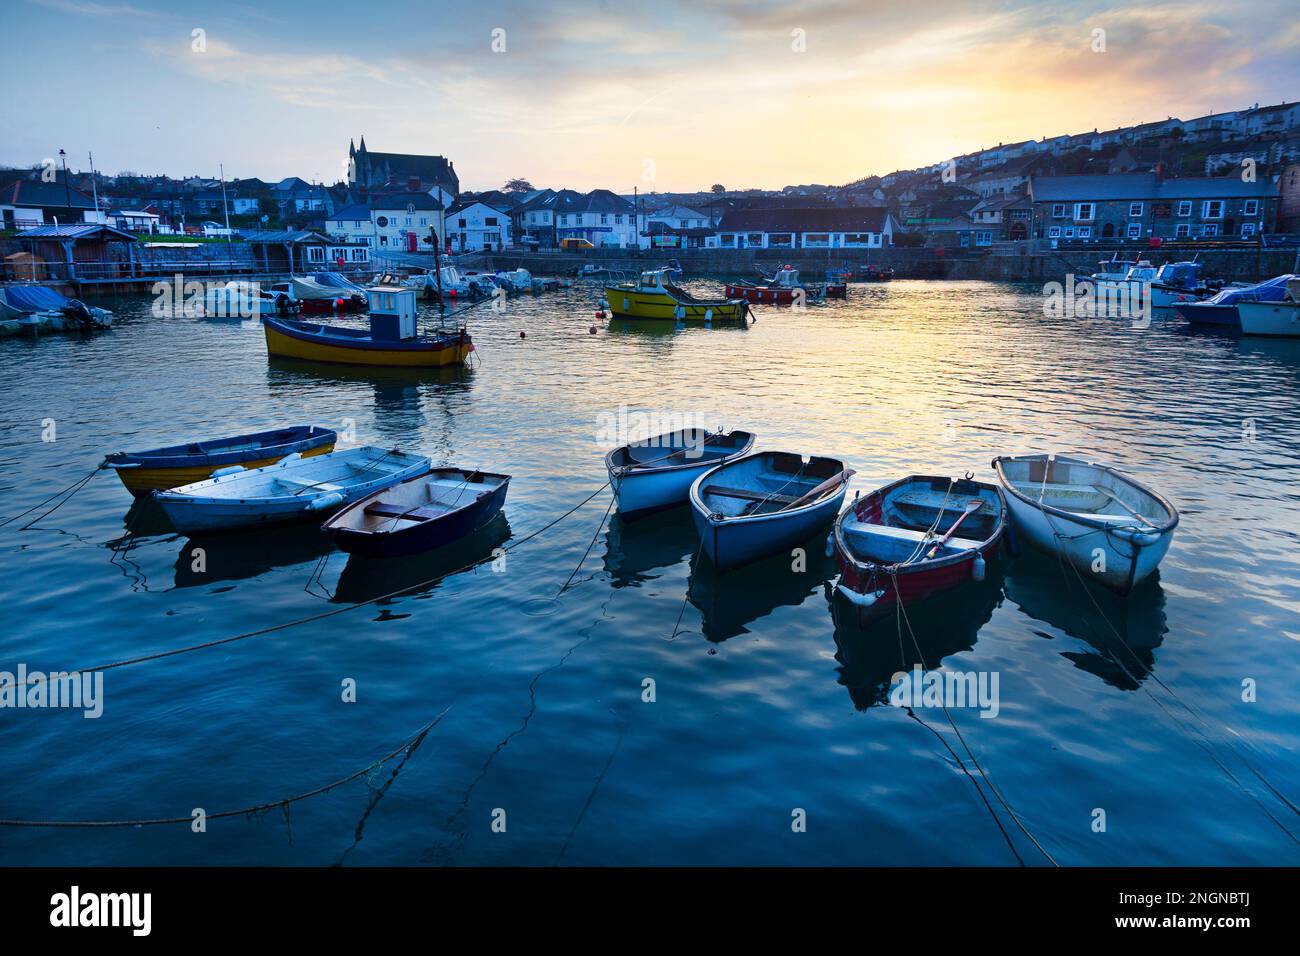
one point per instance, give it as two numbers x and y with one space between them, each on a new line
159 469
654 296
391 340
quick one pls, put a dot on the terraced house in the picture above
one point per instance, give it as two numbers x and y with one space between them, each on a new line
852 227
1148 205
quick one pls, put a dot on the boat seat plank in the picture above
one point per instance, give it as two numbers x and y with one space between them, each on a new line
305 485
746 494
382 509
904 534
935 500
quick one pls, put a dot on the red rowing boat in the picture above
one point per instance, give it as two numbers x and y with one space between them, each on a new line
784 288
916 537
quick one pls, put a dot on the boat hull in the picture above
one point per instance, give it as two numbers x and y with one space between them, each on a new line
764 296
629 304
1218 316
192 511
1281 319
425 536
284 341
641 491
732 543
141 481
1119 556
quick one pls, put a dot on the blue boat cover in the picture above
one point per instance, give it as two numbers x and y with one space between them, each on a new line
34 298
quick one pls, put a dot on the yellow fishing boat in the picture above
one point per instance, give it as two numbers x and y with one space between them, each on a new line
390 341
654 296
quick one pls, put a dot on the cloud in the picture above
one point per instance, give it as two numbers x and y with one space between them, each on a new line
89 8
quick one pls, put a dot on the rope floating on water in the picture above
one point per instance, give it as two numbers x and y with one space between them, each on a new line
71 490
406 747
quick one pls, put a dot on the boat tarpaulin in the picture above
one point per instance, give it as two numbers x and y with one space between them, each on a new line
33 298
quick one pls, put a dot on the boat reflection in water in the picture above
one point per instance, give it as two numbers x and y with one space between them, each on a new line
364 579
242 555
143 519
635 550
733 601
871 650
1122 650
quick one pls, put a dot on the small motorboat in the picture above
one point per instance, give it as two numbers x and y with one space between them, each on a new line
317 295
420 514
28 307
658 472
293 489
243 300
1220 310
1273 318
390 341
175 465
874 273
763 503
784 288
916 537
1108 526
654 296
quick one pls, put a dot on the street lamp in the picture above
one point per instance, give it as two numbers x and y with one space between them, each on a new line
67 191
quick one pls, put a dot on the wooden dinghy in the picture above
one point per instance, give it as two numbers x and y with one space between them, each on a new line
294 489
422 513
763 503
658 472
175 465
1108 526
916 537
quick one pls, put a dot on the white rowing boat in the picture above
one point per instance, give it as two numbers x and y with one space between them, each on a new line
658 472
1105 524
293 489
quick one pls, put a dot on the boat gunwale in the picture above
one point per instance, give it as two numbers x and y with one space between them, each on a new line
154 457
1085 518
719 521
630 471
422 343
967 554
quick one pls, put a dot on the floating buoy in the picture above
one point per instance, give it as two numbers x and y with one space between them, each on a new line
339 302
523 334
592 330
600 313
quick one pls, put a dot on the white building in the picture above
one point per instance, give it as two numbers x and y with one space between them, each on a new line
475 226
852 227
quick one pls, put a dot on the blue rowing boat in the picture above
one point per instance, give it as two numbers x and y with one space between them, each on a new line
420 514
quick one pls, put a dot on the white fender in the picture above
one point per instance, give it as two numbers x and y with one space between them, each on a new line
861 600
230 470
977 568
333 499
292 456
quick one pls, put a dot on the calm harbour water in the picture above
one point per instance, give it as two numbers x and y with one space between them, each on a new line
763 704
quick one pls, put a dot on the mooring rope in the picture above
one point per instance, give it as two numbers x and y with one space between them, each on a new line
332 612
613 499
1200 740
71 490
407 747
898 597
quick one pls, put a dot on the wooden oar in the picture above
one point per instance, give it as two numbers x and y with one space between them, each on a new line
1123 504
974 505
821 489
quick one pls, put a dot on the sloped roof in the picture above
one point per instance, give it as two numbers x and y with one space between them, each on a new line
30 192
356 211
1133 186
74 231
302 235
401 200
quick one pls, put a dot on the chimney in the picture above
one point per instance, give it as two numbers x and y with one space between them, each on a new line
413 184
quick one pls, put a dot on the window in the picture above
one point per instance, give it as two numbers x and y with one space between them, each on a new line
857 238
1058 210
618 219
604 219
964 242
1054 232
1085 232
358 255
1135 209
727 241
1185 207
1182 230
1210 229
564 220
816 239
490 221
780 240
1250 208
461 223
408 220
984 238
424 220
1212 209
1069 232
1247 230
1135 230
754 239
1083 211
315 254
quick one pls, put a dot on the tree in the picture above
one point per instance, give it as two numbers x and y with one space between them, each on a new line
517 186
718 188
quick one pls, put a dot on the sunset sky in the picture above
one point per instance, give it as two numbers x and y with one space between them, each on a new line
667 95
